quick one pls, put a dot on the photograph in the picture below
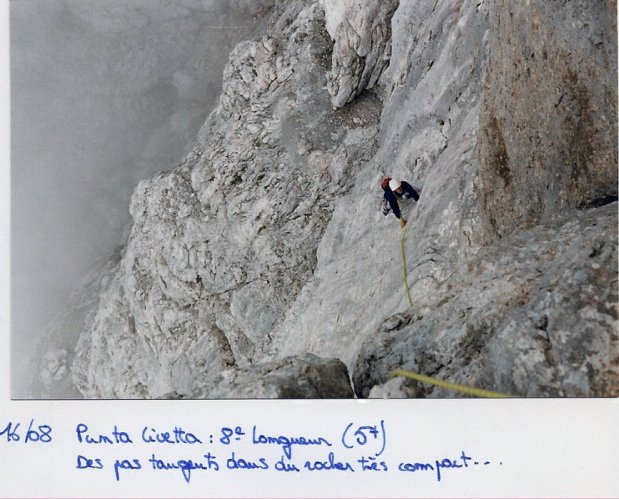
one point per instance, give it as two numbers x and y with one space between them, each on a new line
313 199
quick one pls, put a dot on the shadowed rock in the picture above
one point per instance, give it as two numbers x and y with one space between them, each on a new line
302 377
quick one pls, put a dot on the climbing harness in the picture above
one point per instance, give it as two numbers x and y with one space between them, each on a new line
468 390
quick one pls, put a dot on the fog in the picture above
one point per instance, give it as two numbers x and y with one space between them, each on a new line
104 93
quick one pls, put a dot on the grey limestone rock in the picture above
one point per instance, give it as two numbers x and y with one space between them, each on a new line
301 377
361 31
548 123
428 125
221 245
535 316
267 242
396 388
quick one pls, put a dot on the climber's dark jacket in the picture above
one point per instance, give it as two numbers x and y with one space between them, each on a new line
392 197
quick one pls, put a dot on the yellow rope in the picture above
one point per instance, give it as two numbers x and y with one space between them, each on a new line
404 267
475 392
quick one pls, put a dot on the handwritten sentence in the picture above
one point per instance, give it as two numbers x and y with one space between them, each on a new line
369 440
209 462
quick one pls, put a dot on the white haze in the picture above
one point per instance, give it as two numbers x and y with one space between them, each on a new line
104 93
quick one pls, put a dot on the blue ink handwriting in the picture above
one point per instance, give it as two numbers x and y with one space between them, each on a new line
38 433
117 436
328 465
126 464
185 465
228 433
361 448
362 435
370 464
177 436
282 465
234 463
287 442
85 463
460 462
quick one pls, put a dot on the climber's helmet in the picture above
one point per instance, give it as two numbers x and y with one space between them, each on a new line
394 184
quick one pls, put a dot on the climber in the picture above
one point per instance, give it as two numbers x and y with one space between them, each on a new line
395 190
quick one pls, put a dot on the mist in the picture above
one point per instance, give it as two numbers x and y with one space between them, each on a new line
104 94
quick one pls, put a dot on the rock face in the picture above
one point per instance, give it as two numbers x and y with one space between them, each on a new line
222 244
57 352
267 242
505 324
549 117
301 377
361 31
